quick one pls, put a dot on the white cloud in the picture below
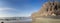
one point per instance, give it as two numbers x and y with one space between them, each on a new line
4 13
5 9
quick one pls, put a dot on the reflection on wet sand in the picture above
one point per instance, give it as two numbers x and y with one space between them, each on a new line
15 20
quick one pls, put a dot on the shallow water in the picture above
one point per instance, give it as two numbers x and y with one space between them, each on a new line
17 21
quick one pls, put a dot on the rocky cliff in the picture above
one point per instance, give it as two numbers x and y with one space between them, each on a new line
48 9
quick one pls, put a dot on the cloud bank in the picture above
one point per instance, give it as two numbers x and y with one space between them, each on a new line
6 12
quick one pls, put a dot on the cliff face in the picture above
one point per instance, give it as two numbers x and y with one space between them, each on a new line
48 9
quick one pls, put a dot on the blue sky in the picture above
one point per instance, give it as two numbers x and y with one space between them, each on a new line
19 8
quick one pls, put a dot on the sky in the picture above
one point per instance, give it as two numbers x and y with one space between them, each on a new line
19 8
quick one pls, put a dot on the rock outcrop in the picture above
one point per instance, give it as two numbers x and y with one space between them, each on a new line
48 9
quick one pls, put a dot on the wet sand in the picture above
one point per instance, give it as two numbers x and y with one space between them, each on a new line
46 20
